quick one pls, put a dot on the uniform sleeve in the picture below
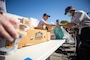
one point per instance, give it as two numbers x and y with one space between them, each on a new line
78 18
41 23
2 6
81 16
44 21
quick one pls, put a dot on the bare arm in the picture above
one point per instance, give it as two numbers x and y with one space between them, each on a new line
70 24
47 24
66 25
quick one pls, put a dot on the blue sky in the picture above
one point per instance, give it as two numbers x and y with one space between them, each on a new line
36 8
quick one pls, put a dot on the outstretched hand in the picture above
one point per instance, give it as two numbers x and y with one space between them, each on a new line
8 28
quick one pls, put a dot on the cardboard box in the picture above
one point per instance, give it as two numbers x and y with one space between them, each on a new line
31 37
34 37
25 21
48 36
37 36
39 27
22 41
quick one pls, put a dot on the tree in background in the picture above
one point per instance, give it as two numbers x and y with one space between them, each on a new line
64 21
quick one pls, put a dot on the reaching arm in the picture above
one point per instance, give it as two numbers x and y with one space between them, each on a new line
66 25
47 24
70 24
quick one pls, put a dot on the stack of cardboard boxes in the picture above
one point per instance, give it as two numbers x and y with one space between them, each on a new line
32 36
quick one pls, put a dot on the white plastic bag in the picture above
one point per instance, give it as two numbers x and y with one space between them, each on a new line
68 36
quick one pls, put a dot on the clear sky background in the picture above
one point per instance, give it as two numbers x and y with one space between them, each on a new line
36 8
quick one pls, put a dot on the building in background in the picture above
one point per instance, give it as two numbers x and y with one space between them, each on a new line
34 22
